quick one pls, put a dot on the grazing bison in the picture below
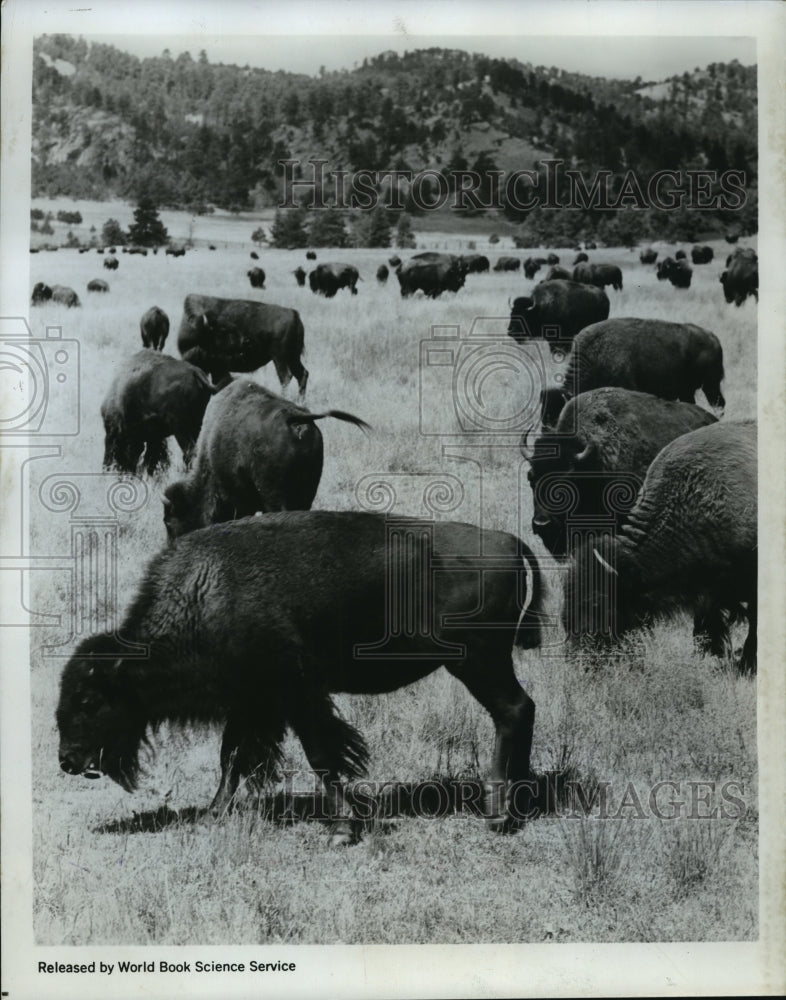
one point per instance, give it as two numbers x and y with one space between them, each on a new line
111 263
443 273
154 326
254 624
60 294
599 275
310 255
648 256
175 251
581 258
591 245
701 255
689 542
552 259
732 237
253 255
741 277
680 255
211 247
678 272
557 273
327 279
256 452
556 311
382 273
507 264
239 335
257 277
475 263
394 261
531 267
300 276
97 285
670 360
151 398
599 452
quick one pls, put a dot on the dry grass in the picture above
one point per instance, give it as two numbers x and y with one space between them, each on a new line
151 869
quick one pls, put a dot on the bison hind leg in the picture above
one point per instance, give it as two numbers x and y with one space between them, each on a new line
156 455
250 748
711 630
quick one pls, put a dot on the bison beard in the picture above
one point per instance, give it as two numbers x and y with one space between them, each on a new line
256 623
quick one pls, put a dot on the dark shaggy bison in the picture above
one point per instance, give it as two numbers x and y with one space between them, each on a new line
173 251
678 272
581 258
475 263
741 277
256 276
256 452
327 279
311 255
441 273
97 285
254 624
394 261
648 256
531 267
599 275
556 311
552 259
680 255
507 264
557 273
701 254
254 255
111 263
689 542
382 273
60 294
154 327
239 335
300 276
732 237
597 456
151 398
669 360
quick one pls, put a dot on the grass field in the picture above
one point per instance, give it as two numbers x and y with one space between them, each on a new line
153 869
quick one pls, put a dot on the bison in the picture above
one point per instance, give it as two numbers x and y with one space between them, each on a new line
732 237
680 255
254 624
239 335
256 452
395 261
648 256
256 277
507 264
60 294
599 275
97 285
689 542
531 268
678 272
382 274
300 276
597 454
741 277
311 255
557 273
254 255
154 327
327 279
552 259
111 263
556 311
701 254
151 398
581 258
475 263
669 360
442 273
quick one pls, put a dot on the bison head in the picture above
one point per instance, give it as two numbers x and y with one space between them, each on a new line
522 314
182 510
556 491
41 293
99 718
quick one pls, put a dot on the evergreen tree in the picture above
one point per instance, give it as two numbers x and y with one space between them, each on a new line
372 229
113 233
405 238
326 228
288 231
147 230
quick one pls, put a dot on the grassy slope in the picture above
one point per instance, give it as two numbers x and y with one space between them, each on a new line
656 712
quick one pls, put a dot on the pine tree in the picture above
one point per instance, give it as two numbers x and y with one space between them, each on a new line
372 229
288 231
327 229
147 230
405 238
112 233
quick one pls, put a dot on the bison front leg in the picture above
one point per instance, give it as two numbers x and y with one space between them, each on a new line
250 748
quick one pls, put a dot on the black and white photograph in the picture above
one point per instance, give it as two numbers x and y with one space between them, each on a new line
390 415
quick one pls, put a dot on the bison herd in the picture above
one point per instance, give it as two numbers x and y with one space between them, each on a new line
260 608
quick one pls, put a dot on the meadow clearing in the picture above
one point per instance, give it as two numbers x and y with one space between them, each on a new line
154 869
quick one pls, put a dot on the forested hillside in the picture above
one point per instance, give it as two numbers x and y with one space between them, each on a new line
189 134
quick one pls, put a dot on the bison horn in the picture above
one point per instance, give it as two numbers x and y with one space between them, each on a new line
510 302
607 566
583 455
166 502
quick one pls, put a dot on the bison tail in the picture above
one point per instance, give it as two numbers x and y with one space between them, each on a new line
310 418
528 628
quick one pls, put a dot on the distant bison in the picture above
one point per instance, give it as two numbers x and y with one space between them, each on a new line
680 255
599 275
678 272
300 276
394 261
591 245
556 311
531 268
310 255
254 255
327 279
552 259
154 326
507 264
257 277
598 453
382 273
701 254
475 263
111 263
581 258
173 251
648 256
256 452
255 624
689 542
152 397
240 335
60 294
732 237
441 273
741 277
97 285
670 360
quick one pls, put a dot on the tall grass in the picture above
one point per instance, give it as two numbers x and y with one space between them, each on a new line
153 869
